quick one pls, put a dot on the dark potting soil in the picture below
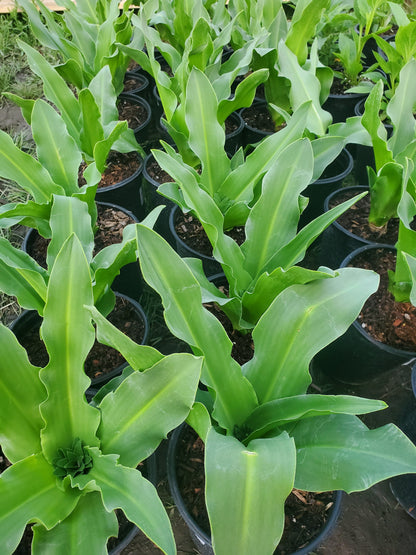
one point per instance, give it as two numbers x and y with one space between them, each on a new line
258 117
382 317
135 114
156 172
132 83
355 220
305 512
231 125
190 230
101 358
119 166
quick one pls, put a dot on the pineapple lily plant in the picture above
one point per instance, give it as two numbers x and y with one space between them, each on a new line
73 463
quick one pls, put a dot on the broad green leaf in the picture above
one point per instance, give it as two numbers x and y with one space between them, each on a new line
325 150
74 535
268 286
28 173
371 121
56 149
68 335
400 109
240 183
340 452
91 131
386 189
351 130
303 28
28 492
146 406
206 135
125 488
21 276
294 251
282 411
26 105
246 488
105 97
199 418
300 322
305 87
30 214
56 90
21 392
69 215
274 218
165 272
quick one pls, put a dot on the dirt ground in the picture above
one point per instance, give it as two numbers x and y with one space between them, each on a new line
371 522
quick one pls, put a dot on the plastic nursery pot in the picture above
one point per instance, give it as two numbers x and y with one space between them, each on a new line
338 242
251 133
26 328
211 266
129 281
201 539
136 83
150 198
329 182
356 357
138 114
341 106
125 193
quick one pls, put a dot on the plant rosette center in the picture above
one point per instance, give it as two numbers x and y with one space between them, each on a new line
73 460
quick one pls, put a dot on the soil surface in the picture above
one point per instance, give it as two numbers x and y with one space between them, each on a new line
371 523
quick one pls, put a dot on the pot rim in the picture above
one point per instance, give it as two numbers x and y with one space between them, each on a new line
345 154
200 534
134 99
407 355
195 253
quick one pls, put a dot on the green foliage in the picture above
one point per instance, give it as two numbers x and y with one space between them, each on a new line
67 462
263 433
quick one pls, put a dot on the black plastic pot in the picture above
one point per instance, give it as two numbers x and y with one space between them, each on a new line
211 266
338 242
329 182
356 357
252 135
202 540
341 106
125 193
29 322
129 281
145 133
141 87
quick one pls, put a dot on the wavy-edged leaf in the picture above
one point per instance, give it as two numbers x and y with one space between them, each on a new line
268 286
28 173
21 393
56 90
240 183
22 276
282 411
246 488
300 322
125 488
273 220
371 121
146 406
339 452
28 492
73 535
56 149
206 135
69 215
165 272
68 335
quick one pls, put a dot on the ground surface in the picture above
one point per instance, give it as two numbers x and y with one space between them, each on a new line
372 522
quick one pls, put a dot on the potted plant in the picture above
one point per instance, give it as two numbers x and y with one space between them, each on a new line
263 434
73 463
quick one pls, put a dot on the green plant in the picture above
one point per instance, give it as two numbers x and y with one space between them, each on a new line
261 192
202 51
85 37
392 184
263 433
74 463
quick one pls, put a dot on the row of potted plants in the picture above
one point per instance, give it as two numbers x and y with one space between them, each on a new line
263 432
